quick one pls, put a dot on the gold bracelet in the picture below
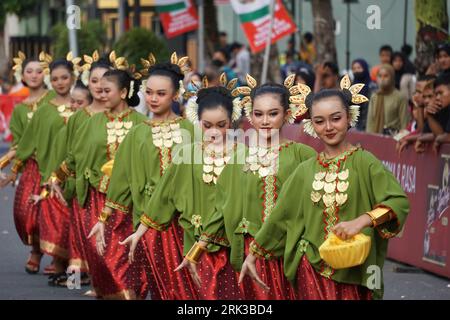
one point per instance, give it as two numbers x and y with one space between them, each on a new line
54 178
379 216
104 216
60 175
17 166
4 161
44 193
66 170
195 253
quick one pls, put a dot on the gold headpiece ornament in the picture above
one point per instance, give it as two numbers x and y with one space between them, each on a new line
296 97
118 63
45 59
151 61
192 106
18 65
357 98
86 67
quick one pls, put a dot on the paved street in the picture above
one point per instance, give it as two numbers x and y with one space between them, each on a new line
16 284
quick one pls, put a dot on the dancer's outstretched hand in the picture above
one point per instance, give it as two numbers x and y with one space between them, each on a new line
7 179
99 231
249 268
192 268
56 191
133 241
34 199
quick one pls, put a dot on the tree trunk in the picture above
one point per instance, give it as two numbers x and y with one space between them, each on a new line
432 28
211 30
3 58
324 26
257 61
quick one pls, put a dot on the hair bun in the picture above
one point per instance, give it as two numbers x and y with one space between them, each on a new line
309 100
206 92
347 95
167 66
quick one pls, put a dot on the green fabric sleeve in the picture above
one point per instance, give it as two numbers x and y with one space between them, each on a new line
17 123
387 192
161 209
306 152
58 151
27 143
270 241
119 190
214 229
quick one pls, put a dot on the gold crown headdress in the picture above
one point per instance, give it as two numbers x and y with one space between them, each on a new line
180 62
192 106
18 65
357 98
296 97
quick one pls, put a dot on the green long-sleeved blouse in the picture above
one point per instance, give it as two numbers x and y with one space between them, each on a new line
140 162
313 201
245 199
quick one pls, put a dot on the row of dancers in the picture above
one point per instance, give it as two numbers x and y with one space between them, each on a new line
183 207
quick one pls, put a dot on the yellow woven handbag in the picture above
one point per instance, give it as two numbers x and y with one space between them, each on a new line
341 254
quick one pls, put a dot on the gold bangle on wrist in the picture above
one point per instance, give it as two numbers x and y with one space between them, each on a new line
195 253
4 161
60 175
379 216
54 178
44 193
17 166
104 216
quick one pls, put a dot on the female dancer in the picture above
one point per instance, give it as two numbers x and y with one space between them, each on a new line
188 188
141 161
65 169
31 73
345 191
94 150
39 138
248 193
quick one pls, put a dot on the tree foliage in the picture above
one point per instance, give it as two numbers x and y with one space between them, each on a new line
91 36
138 43
19 7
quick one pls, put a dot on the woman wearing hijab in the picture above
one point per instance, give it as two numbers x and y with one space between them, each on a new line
388 110
405 80
361 74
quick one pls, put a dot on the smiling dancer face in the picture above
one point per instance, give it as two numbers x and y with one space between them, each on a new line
116 87
329 111
61 76
33 75
162 89
98 69
269 113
